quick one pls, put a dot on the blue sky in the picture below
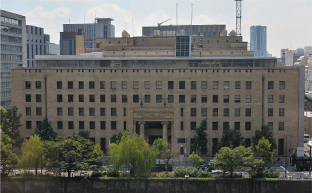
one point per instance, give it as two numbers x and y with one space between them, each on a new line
289 22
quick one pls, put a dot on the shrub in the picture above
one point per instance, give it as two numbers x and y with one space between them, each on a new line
204 173
266 173
27 174
191 171
162 174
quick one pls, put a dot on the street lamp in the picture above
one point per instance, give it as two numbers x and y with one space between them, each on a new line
286 156
310 145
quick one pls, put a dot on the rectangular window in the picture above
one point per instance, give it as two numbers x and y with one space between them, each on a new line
237 112
237 125
81 111
27 85
70 111
204 98
91 111
271 85
28 110
113 125
135 98
102 98
181 112
38 111
181 84
38 84
226 85
203 112
81 125
204 84
281 126
280 146
281 112
38 98
124 85
226 112
248 112
158 98
181 140
215 125
158 84
247 142
193 125
135 84
281 85
59 98
247 126
81 98
124 111
170 98
215 98
102 111
170 84
91 84
113 98
237 84
70 124
147 98
193 98
28 124
181 98
103 125
193 84
281 98
70 85
248 85
28 98
215 112
270 98
270 125
270 112
81 84
38 123
70 98
226 98
91 98
102 84
113 112
147 84
59 111
60 125
215 85
125 125
92 125
248 98
181 126
237 99
113 84
226 125
193 112
59 84
124 98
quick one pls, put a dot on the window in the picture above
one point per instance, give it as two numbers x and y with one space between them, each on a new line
60 125
247 142
181 98
170 98
38 84
81 111
226 112
102 85
59 84
59 111
193 84
237 125
70 125
181 84
270 112
81 98
70 85
158 98
125 125
248 85
226 85
215 112
124 85
215 98
135 98
203 112
124 111
81 125
270 125
237 112
28 98
247 126
102 98
158 84
27 85
237 98
181 112
147 98
181 125
204 99
124 98
281 98
59 98
38 111
70 111
91 84
91 111
281 85
170 84
248 112
92 125
204 84
113 125
270 98
226 98
281 112
271 85
70 98
135 84
28 110
38 98
113 112
113 98
226 125
147 84
215 125
281 126
215 85
181 140
193 125
91 98
237 84
193 98
113 84
248 98
103 125
193 112
81 84
28 124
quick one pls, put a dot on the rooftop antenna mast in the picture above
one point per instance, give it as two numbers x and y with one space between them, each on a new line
177 19
191 20
132 28
238 17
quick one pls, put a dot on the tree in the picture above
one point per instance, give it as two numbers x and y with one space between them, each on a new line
10 125
196 159
9 159
116 137
3 115
200 142
264 148
163 151
134 153
237 138
267 134
45 131
32 153
84 134
231 138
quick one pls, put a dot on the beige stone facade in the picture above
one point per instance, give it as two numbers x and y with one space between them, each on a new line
161 102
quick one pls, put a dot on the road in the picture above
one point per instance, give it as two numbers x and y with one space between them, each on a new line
291 170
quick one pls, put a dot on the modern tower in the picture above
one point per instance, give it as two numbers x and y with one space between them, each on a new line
258 40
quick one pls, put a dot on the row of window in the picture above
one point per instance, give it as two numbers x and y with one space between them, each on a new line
5 94
10 29
5 75
8 65
5 85
10 39
11 48
10 21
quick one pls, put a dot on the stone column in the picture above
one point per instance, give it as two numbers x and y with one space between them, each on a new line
165 130
172 132
134 128
142 124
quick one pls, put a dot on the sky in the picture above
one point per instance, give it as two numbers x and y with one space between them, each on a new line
289 22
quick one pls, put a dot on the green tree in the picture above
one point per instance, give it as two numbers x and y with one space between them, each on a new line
200 142
3 115
10 125
163 151
231 138
32 154
237 138
264 148
116 137
196 159
45 131
267 134
9 159
134 153
84 134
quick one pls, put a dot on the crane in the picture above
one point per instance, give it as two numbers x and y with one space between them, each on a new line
159 24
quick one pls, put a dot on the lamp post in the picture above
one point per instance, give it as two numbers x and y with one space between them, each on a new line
286 157
310 145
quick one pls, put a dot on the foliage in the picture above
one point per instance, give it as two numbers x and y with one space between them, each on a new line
266 173
267 134
133 153
32 153
72 154
162 174
200 142
264 148
231 138
108 172
163 150
10 125
45 131
9 159
84 134
191 171
196 159
116 137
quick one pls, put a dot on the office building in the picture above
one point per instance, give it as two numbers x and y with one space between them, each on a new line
52 49
36 43
258 41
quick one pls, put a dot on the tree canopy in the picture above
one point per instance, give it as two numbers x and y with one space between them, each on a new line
231 138
116 137
200 142
163 150
264 148
45 131
9 159
196 159
267 134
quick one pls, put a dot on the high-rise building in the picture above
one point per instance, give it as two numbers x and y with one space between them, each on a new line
258 40
36 43
13 50
52 49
